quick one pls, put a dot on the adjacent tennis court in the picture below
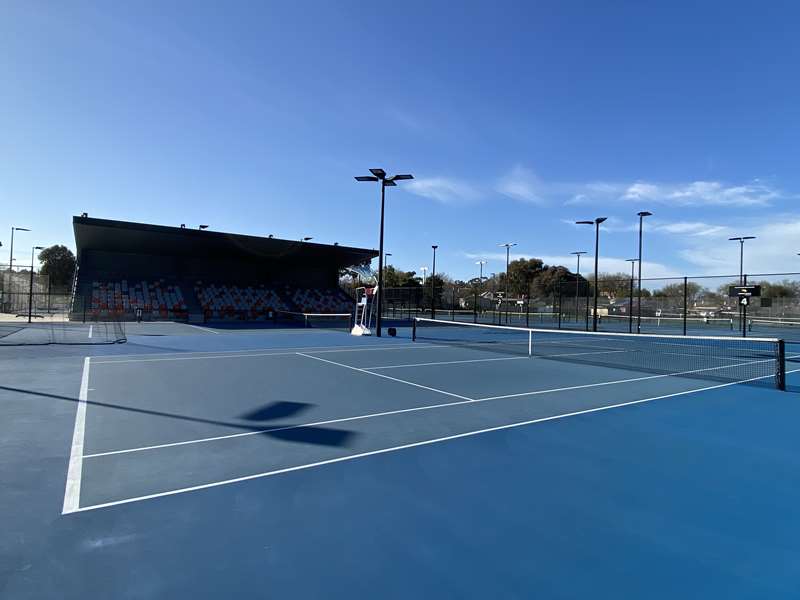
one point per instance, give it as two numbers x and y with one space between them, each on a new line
315 446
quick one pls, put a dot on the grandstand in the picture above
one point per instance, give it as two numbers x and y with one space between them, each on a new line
126 270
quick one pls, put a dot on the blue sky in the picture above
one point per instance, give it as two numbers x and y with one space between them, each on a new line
516 119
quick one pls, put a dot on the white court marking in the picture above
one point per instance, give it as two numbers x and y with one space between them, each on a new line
201 328
447 362
90 331
464 401
405 446
264 352
72 491
360 370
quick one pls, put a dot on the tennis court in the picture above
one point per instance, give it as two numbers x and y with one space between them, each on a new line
325 464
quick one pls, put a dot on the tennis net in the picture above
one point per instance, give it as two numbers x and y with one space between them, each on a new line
48 329
317 320
719 358
781 326
622 321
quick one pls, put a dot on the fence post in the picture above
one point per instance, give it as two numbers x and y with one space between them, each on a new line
685 302
528 307
630 308
453 305
744 311
587 306
559 303
475 307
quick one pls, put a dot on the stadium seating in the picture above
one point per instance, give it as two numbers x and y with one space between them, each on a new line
161 299
156 298
332 300
234 302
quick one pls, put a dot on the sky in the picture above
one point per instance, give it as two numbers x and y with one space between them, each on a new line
515 118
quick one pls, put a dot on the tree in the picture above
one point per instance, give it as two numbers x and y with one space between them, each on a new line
548 280
778 289
437 282
675 290
395 278
521 274
58 263
613 285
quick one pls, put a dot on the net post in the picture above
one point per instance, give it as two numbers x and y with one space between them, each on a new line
781 366
414 330
685 301
530 343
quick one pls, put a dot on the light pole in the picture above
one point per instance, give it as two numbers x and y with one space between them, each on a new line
11 250
633 262
742 307
642 215
11 257
480 264
741 254
385 181
30 288
433 284
507 246
596 224
577 281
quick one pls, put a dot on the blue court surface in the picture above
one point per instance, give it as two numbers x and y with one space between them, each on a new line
200 462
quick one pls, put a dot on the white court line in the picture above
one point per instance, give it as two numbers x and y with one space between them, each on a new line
200 328
72 491
679 373
292 348
406 446
283 352
477 360
411 383
90 331
447 362
397 411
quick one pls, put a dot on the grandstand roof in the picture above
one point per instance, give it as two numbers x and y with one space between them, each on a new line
140 238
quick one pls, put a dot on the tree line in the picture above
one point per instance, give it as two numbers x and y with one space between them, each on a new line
532 278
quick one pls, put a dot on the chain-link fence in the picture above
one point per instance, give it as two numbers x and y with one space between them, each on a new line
33 311
684 305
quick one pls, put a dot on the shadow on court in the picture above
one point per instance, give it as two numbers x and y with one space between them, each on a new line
287 432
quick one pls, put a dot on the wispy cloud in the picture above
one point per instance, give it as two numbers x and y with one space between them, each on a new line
692 228
443 189
695 193
522 184
610 225
677 228
703 193
405 119
774 250
607 264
